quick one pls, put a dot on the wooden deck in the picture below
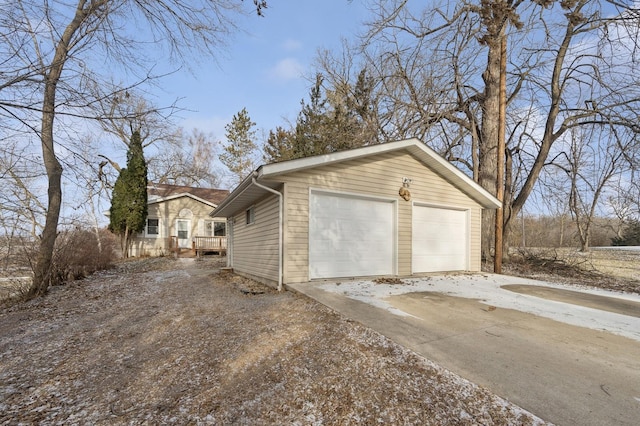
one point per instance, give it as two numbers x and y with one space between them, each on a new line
199 246
203 245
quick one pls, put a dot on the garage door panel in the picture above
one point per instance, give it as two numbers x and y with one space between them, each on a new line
350 236
440 239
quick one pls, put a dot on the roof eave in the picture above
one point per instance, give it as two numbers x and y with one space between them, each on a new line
231 204
182 194
224 209
275 169
453 174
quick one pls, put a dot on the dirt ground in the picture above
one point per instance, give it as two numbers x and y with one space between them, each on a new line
166 341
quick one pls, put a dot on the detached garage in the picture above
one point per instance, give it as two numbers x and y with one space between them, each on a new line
393 209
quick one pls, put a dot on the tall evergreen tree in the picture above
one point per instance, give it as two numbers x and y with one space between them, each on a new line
239 151
128 212
279 146
334 122
631 236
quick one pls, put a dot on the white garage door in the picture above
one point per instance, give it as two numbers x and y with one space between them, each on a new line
440 239
350 236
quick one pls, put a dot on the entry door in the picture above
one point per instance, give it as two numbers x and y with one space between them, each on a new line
183 227
440 239
350 236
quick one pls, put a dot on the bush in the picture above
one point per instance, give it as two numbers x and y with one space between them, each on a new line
79 253
631 236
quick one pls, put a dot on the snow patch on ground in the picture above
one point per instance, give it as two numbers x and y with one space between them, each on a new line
487 288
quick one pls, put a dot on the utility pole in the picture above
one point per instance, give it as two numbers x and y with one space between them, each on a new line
502 117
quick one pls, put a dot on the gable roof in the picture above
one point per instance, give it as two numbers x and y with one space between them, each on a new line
158 192
267 175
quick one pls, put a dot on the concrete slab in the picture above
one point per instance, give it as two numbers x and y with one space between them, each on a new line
562 371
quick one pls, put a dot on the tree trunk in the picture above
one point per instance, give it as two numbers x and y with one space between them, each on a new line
125 242
489 141
506 205
42 270
585 236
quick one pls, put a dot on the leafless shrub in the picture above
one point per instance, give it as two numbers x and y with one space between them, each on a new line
13 289
80 252
566 263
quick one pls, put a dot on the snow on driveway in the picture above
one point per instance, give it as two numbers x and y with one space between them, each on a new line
487 288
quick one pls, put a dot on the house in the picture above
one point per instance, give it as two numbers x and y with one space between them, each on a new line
394 209
178 220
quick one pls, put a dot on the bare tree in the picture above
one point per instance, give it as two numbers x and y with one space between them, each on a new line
624 201
189 160
129 109
52 52
21 210
570 64
594 158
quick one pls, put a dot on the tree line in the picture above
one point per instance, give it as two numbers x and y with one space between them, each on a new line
426 70
56 62
432 71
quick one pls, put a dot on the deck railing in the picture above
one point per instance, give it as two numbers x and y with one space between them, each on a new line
202 244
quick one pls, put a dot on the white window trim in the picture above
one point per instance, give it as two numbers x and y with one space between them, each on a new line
250 215
205 223
213 223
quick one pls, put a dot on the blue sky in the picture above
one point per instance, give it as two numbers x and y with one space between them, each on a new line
262 68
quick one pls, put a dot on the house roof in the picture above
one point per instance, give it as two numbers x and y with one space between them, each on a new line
158 192
267 175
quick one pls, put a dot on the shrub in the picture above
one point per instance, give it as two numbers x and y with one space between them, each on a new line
79 253
631 236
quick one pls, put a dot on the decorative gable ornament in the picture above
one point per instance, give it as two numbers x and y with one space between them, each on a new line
405 193
185 213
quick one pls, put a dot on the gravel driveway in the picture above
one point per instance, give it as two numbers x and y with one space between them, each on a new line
176 342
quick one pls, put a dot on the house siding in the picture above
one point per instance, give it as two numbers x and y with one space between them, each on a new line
168 212
255 246
379 176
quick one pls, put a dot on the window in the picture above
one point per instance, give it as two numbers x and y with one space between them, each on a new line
220 229
153 227
215 228
251 215
183 229
208 228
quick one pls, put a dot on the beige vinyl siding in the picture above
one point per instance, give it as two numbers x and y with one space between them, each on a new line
475 258
168 212
255 246
379 176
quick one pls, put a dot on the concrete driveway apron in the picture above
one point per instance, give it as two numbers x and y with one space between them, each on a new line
568 363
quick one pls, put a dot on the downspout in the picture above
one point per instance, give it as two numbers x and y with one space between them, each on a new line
280 228
230 223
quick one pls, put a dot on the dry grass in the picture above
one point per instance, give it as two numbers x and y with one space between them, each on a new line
169 342
610 268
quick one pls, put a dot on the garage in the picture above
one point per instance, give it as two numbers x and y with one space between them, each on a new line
351 214
351 235
440 239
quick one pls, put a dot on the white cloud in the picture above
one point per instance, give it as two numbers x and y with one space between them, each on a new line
286 69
